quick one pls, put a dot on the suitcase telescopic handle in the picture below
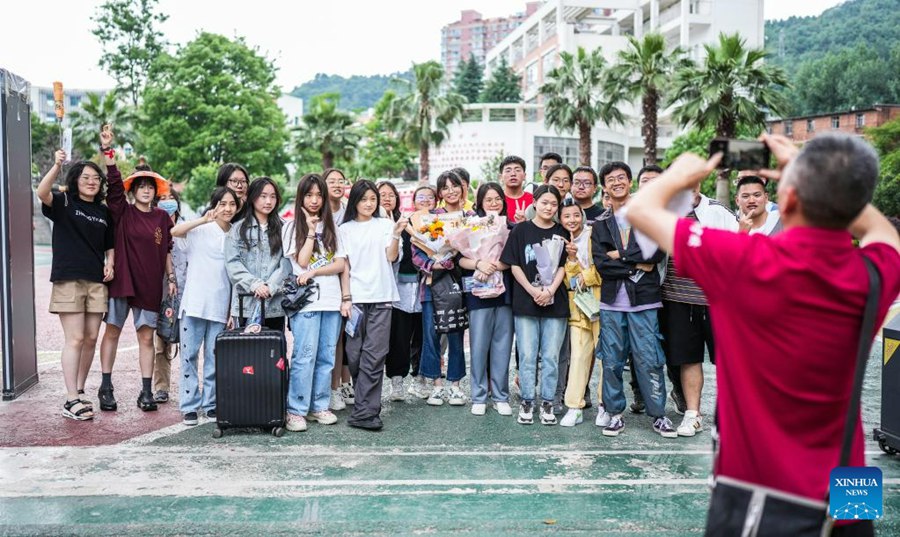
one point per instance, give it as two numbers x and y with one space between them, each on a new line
262 305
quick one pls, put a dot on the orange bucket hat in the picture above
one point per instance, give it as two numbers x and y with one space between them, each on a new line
162 185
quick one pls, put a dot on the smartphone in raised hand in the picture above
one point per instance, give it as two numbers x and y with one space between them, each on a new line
741 154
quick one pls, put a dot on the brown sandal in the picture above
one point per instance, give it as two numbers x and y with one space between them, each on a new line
77 410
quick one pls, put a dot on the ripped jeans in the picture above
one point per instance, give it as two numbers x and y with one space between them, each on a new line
640 330
315 339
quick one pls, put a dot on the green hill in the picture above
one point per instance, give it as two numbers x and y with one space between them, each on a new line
846 58
872 23
357 92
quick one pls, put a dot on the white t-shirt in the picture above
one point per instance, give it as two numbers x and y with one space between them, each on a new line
329 285
338 216
371 275
772 220
207 288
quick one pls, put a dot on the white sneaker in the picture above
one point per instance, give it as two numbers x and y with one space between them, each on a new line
691 424
397 389
572 418
437 396
547 415
416 387
503 408
603 417
348 394
457 397
478 409
337 402
295 423
526 413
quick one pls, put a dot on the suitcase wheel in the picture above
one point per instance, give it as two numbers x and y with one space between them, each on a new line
882 443
217 433
278 431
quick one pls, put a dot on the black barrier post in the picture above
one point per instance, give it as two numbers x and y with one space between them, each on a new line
17 321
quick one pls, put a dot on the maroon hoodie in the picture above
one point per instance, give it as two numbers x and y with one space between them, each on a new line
142 242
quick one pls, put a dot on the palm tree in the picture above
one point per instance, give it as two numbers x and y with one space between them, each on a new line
327 130
97 111
731 87
575 97
422 115
644 69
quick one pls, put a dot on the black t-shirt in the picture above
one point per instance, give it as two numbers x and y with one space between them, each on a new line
592 212
519 251
82 232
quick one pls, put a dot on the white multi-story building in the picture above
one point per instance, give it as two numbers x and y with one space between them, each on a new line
292 108
533 49
43 105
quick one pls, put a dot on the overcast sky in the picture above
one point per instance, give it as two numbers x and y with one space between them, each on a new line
51 40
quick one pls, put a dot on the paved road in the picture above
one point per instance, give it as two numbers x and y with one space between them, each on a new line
434 471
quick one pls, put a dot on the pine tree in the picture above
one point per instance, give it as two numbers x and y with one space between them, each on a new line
469 79
504 85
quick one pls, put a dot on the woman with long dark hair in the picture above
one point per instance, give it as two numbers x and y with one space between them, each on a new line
313 248
204 306
83 259
371 245
254 257
236 177
490 319
539 303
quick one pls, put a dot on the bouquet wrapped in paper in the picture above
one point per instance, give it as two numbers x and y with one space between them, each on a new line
429 233
547 256
482 237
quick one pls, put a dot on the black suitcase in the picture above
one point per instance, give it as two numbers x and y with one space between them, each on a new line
251 378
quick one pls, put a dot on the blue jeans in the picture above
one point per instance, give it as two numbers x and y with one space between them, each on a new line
544 334
430 366
490 335
315 339
640 332
194 333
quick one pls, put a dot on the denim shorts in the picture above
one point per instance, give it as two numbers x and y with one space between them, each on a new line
118 312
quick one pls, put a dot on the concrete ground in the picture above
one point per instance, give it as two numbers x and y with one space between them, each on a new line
433 471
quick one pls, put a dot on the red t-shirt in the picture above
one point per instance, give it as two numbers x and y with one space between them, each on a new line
521 203
786 313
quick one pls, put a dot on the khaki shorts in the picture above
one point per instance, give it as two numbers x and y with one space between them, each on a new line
78 296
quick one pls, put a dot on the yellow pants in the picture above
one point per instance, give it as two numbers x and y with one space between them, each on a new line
582 358
162 364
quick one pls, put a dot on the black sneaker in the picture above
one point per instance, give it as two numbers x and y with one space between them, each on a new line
665 428
547 416
107 399
680 403
145 402
211 414
370 424
190 419
161 396
558 407
616 426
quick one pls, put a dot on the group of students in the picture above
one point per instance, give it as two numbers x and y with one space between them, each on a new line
119 257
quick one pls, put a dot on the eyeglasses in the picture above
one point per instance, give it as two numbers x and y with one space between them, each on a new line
388 197
237 182
583 184
621 178
336 182
424 197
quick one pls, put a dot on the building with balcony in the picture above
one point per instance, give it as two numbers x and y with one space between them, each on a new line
801 129
474 36
533 49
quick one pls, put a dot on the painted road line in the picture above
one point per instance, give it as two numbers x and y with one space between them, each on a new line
346 487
